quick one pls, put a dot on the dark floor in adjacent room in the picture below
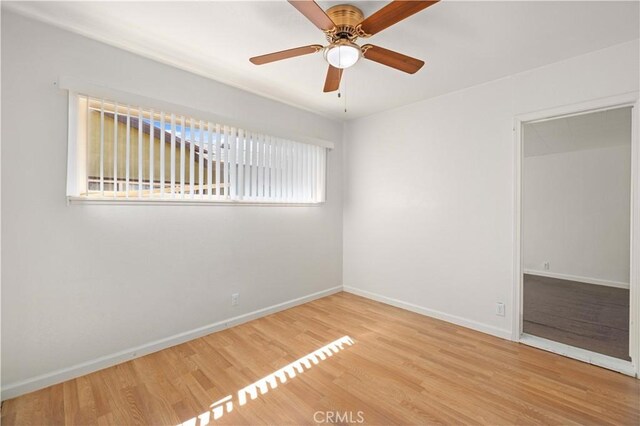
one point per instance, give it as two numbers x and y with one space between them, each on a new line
588 316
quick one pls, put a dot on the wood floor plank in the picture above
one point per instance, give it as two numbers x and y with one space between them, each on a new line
403 368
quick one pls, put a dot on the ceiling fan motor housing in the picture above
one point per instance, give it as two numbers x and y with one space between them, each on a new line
346 18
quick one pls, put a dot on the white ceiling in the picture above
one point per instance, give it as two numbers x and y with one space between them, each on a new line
599 129
463 43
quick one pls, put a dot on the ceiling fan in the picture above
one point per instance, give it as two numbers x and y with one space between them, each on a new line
343 25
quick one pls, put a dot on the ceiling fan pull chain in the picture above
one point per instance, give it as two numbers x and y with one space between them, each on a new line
344 88
340 62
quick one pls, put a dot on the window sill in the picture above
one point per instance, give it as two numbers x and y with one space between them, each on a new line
181 202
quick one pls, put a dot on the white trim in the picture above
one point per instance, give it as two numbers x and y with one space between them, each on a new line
587 280
150 101
72 141
611 363
79 200
464 322
518 261
571 110
618 101
634 261
13 390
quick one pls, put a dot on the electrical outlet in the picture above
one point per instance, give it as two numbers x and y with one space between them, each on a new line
234 299
546 265
500 309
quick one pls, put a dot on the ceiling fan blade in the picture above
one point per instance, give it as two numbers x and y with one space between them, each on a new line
393 13
332 83
392 59
314 13
285 54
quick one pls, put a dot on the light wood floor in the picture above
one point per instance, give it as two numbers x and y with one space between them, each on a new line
403 368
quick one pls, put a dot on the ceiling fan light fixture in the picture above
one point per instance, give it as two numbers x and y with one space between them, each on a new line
342 25
343 54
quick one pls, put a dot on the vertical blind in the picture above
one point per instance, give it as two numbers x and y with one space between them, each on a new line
137 153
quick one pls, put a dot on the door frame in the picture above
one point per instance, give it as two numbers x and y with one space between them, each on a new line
630 99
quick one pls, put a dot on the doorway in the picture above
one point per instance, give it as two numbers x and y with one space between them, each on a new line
576 195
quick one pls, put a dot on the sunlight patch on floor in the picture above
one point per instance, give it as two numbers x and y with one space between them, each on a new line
263 385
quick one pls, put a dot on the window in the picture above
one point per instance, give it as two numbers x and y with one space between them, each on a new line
126 152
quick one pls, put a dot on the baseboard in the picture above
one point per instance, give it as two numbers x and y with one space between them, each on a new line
605 361
464 322
13 390
587 280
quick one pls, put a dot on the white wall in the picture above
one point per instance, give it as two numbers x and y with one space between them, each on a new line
429 189
82 282
576 214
